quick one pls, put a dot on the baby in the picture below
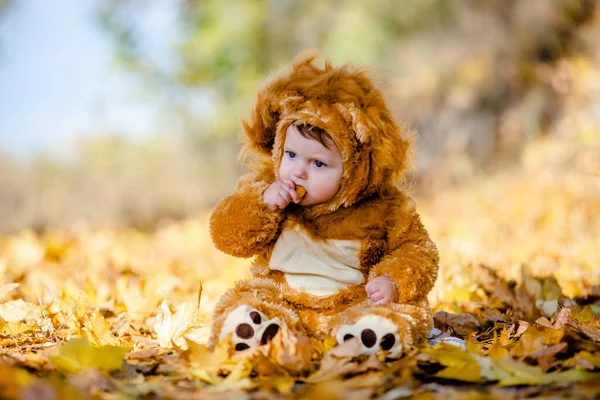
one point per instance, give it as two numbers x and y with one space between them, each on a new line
338 247
312 160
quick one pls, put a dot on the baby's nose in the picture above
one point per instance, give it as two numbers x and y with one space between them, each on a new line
300 173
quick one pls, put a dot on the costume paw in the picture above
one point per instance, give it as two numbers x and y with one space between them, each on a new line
249 328
374 332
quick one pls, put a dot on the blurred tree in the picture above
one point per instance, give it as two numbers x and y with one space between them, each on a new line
225 48
488 61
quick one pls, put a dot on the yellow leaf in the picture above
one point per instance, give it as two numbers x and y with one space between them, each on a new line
17 310
323 346
585 316
240 371
505 336
205 364
198 353
585 360
170 328
283 384
534 339
473 346
337 362
292 351
78 354
99 333
496 350
6 289
15 328
459 364
512 373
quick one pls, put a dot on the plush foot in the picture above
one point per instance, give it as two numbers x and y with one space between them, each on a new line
375 332
249 328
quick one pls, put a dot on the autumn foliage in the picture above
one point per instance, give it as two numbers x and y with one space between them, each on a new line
122 313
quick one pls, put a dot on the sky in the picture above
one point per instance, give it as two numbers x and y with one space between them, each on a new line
58 82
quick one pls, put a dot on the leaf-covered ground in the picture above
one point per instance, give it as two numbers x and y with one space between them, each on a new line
122 314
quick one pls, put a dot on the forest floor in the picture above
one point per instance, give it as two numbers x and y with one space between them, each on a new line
107 313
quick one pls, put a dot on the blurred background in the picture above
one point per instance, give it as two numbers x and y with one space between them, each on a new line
127 113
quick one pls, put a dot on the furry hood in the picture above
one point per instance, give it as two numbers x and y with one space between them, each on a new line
343 102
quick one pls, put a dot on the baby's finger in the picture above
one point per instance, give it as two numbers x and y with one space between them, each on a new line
371 290
289 184
282 201
377 296
294 195
285 194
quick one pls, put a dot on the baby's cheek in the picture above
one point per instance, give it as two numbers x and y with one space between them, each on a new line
283 172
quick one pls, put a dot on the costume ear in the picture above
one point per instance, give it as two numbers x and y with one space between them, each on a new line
283 95
261 127
376 129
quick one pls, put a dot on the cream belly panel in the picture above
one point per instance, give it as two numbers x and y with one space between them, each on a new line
320 268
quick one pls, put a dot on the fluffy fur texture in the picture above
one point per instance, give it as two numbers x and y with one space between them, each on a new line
369 206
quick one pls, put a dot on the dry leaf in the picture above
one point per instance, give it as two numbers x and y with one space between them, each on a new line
337 362
462 324
534 339
18 310
98 331
170 328
15 328
78 354
293 351
6 289
459 364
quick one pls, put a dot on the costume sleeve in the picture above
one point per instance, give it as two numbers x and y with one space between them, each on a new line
412 260
241 224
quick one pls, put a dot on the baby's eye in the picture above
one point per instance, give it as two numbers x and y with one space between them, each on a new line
291 154
319 164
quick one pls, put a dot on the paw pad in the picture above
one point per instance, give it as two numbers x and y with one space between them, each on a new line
373 333
249 328
269 333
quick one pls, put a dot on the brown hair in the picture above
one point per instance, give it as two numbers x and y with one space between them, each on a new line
316 133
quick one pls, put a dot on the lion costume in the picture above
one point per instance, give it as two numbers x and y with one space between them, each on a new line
311 264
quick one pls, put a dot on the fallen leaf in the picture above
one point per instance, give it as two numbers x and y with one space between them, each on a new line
15 328
511 373
78 354
171 328
459 364
461 324
545 357
497 350
337 362
6 289
18 310
584 360
535 339
205 364
98 331
293 351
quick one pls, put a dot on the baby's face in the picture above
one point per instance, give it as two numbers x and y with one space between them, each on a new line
311 165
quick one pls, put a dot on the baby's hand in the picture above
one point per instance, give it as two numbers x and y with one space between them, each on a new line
381 290
280 194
